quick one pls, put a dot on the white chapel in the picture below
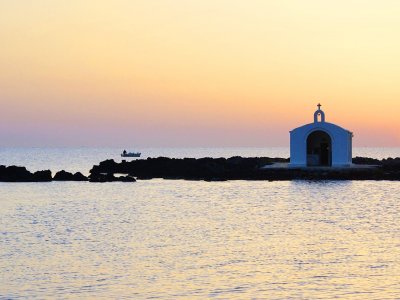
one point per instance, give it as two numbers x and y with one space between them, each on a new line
320 144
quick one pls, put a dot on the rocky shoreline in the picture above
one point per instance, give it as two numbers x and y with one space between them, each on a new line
209 169
21 174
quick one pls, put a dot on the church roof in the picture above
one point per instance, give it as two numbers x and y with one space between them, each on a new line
320 124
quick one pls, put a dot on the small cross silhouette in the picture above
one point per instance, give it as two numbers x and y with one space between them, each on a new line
319 106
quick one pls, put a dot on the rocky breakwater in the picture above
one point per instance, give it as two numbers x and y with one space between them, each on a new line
239 168
208 169
212 169
21 174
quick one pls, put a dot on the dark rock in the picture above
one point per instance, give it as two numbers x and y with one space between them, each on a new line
391 164
210 169
126 179
67 176
366 161
63 176
42 176
101 177
240 168
78 176
15 174
97 178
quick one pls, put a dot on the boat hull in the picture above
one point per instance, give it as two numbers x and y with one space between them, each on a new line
131 155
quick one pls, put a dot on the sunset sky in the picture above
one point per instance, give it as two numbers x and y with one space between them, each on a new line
196 73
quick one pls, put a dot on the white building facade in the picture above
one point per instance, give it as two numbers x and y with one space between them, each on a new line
320 144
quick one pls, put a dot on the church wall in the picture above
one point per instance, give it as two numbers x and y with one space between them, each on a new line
341 144
298 149
340 149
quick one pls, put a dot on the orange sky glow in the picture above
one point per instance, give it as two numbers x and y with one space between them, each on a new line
196 73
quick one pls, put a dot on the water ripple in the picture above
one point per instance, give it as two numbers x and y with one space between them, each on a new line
179 239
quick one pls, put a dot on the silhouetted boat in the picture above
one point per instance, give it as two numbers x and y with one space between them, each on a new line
130 154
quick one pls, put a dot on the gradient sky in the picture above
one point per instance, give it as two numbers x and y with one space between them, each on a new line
196 73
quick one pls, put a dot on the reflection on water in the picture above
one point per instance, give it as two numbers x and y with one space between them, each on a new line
182 239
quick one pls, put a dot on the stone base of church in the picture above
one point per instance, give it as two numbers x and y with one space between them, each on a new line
335 166
341 165
295 166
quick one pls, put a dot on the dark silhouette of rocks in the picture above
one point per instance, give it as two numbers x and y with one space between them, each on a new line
391 164
67 176
41 176
21 174
386 163
210 169
109 177
13 173
239 168
187 168
126 179
366 161
78 176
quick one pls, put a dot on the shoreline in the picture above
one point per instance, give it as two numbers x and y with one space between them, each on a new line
212 169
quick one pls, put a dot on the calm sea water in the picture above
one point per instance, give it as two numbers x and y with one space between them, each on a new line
166 239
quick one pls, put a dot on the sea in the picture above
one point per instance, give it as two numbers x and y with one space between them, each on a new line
177 239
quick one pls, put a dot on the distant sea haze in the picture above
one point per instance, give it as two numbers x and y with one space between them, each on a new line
82 159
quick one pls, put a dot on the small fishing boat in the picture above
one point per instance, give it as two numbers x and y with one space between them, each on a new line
130 154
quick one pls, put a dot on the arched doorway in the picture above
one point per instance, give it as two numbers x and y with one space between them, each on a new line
319 149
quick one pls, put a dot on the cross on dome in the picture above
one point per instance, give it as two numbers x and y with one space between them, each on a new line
319 113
